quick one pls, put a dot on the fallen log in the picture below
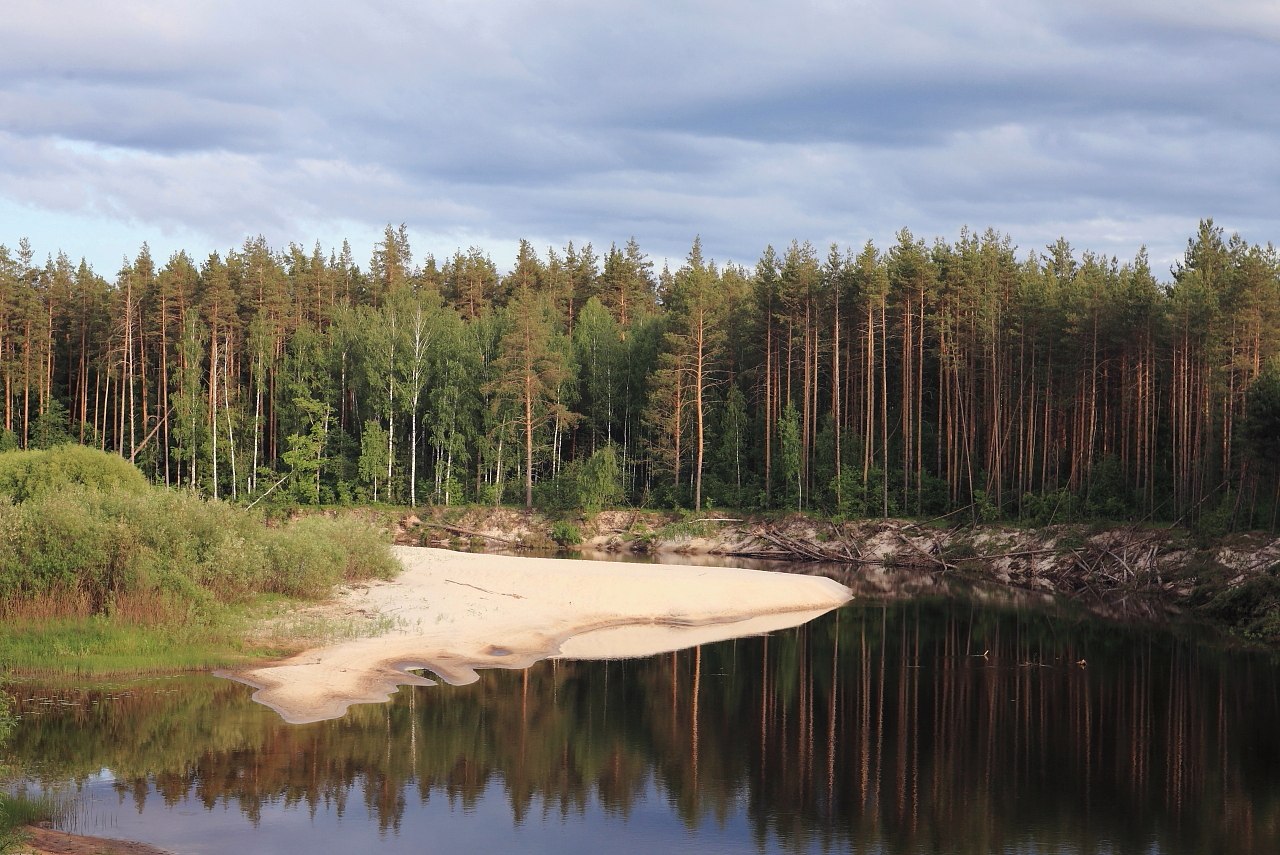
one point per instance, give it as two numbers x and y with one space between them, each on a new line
457 529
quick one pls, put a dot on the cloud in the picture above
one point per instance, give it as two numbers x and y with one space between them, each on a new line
745 122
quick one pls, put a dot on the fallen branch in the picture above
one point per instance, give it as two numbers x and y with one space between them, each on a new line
455 529
941 562
269 489
486 590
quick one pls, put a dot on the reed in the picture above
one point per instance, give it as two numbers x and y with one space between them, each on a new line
15 813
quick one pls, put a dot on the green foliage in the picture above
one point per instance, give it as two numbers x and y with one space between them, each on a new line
1262 417
792 488
983 508
599 480
103 547
1216 522
860 497
305 455
598 350
565 533
1060 506
1109 496
16 812
584 485
686 528
1253 606
7 721
25 474
50 427
933 495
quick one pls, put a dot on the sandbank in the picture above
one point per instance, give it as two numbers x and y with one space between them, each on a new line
451 612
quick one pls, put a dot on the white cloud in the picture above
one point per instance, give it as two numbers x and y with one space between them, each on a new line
748 123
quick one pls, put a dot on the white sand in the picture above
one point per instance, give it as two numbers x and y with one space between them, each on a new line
454 612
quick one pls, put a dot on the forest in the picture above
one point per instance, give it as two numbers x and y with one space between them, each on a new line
961 376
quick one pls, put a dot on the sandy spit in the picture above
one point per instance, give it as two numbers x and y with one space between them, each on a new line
452 612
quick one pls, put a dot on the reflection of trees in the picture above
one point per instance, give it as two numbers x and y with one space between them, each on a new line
876 726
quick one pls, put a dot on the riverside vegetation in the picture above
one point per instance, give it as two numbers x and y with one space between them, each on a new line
100 571
15 811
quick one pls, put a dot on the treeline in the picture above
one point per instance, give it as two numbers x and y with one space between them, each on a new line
919 379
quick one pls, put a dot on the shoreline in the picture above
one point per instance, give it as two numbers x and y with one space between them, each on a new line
1115 570
451 613
42 840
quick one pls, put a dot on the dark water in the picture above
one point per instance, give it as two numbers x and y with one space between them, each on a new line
879 728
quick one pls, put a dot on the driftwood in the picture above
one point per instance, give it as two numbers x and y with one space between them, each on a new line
1118 562
928 556
784 547
486 590
456 529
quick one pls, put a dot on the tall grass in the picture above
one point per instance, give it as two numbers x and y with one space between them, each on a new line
141 564
19 811
15 812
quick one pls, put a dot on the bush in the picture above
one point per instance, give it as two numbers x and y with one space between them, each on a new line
26 474
1252 607
1109 495
1060 506
565 533
1215 522
86 545
584 485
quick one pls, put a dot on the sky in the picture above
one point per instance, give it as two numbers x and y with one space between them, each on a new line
193 125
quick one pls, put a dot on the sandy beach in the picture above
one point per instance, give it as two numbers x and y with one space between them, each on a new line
451 613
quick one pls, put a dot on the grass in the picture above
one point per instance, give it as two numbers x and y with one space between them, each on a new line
102 573
281 626
685 528
99 645
19 811
271 626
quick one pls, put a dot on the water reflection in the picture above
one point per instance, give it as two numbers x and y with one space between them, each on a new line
920 726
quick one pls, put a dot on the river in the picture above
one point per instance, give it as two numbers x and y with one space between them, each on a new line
946 721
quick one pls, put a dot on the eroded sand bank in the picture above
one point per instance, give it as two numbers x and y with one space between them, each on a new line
453 612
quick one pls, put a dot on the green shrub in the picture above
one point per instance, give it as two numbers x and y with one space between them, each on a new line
565 533
984 509
1109 495
362 549
99 545
1214 522
1060 506
1252 606
584 485
26 474
600 480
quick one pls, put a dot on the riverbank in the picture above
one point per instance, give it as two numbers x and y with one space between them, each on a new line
1232 581
452 612
46 841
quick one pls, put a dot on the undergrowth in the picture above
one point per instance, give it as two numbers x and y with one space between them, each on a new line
101 572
